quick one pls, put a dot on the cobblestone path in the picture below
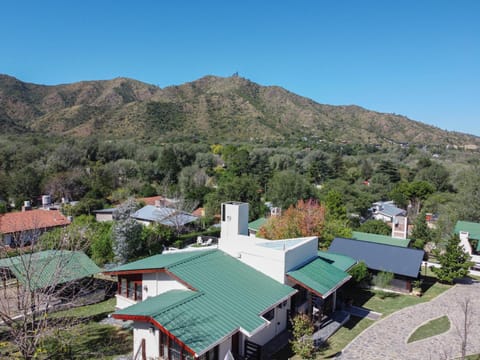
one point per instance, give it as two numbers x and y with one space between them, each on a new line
387 338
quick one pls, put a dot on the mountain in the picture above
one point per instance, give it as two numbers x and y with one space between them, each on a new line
211 109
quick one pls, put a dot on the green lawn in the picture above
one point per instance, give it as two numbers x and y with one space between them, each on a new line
387 303
99 310
432 328
89 341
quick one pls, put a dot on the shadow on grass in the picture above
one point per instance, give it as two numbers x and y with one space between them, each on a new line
428 282
359 296
102 340
350 324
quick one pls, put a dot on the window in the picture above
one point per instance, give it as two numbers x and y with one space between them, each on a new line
163 345
138 291
123 287
269 315
130 287
175 351
131 290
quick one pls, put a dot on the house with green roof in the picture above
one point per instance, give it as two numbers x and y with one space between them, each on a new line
380 239
208 303
469 234
254 226
48 268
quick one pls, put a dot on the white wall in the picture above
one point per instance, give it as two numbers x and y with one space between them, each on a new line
275 327
123 302
301 254
234 220
158 283
270 262
151 335
224 347
101 217
463 235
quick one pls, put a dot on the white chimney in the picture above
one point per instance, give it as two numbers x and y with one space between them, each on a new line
234 219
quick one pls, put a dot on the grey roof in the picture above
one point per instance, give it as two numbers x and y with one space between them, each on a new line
391 210
105 211
388 208
164 215
395 259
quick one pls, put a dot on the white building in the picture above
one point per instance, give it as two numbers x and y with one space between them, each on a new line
203 304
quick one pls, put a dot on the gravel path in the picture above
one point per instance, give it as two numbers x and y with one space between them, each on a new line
387 338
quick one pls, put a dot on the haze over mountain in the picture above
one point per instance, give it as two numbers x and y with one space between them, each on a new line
209 109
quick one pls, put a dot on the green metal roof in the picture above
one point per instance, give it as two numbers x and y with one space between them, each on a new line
51 267
257 224
320 276
153 306
380 239
472 228
159 261
340 261
230 295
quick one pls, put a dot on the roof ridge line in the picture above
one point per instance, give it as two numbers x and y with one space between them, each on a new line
194 257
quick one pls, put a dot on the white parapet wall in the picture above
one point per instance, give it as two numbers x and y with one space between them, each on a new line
271 257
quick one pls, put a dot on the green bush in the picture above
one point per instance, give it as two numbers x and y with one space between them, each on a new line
359 272
383 279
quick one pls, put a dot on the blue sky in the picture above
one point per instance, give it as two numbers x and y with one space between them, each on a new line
420 59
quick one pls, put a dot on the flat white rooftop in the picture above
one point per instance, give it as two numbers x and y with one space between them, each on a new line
282 244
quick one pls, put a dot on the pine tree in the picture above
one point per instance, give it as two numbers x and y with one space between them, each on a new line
454 262
421 234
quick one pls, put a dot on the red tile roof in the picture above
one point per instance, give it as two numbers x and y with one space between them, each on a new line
152 200
199 212
30 220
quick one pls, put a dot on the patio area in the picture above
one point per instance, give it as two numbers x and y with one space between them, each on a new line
328 325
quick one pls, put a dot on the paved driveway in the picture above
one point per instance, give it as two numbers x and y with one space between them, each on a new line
387 338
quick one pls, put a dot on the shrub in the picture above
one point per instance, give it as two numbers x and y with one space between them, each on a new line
302 343
383 279
359 272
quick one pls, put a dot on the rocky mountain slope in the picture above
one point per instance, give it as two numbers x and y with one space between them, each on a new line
209 109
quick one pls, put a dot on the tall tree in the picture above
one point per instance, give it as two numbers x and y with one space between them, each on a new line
375 227
287 187
413 193
126 233
305 219
243 188
388 168
454 261
421 234
437 175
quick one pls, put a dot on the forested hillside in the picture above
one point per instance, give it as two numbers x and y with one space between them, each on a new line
209 109
227 139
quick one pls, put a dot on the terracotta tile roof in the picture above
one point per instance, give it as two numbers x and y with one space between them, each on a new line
151 200
30 220
199 212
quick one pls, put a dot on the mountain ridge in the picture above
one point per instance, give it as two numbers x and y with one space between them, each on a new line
211 108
